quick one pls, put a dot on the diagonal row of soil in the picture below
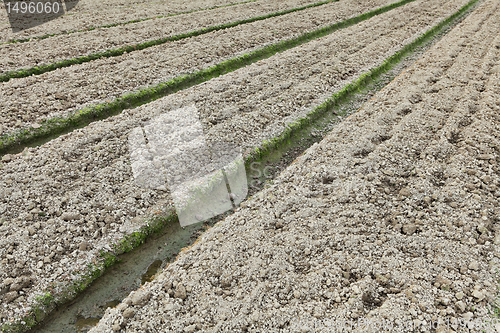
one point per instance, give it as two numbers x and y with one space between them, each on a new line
64 201
393 218
94 14
30 100
69 46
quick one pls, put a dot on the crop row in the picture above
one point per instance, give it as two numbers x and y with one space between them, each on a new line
43 56
97 17
89 183
395 208
45 100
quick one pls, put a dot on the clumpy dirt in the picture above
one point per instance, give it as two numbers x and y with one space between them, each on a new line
94 14
69 46
393 217
29 101
67 200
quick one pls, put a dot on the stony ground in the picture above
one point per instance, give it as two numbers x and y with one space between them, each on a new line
63 202
94 13
28 101
61 47
68 199
393 216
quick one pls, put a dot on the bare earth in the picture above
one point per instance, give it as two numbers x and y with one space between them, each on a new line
393 216
96 13
29 100
68 199
69 46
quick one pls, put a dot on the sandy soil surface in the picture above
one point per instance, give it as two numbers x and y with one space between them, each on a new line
64 201
392 217
57 48
97 13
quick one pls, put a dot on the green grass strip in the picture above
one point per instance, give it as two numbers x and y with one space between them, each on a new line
48 301
83 117
343 95
130 48
24 40
53 297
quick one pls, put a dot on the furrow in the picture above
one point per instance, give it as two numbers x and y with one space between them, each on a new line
49 103
36 57
389 221
90 201
87 16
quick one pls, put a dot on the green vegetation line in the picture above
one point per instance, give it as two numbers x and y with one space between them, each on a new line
351 88
19 73
24 40
51 298
59 293
83 117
